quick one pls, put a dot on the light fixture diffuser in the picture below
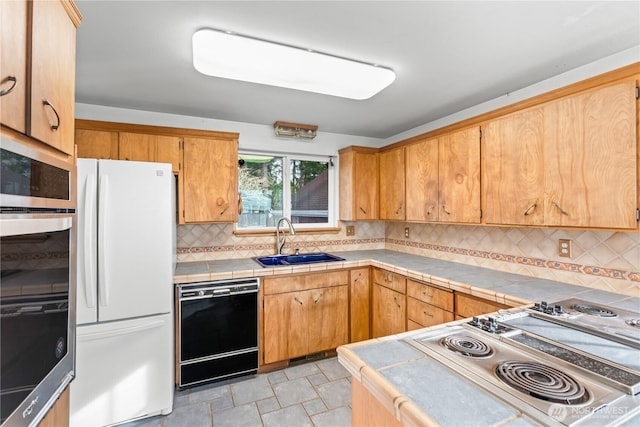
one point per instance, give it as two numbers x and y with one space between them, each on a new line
231 56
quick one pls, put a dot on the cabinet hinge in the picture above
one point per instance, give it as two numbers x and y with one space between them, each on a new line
480 213
638 215
637 92
480 134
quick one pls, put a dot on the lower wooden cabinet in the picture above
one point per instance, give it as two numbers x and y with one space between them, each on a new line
469 305
388 311
388 303
304 314
58 415
359 303
428 305
426 314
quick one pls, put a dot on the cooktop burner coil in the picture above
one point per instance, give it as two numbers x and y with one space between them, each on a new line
542 382
466 345
594 310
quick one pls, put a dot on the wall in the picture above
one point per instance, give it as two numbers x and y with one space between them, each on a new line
216 241
604 260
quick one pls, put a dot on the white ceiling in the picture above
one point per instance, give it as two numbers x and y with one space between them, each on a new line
447 55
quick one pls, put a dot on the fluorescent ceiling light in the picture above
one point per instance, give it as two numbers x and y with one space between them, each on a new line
230 56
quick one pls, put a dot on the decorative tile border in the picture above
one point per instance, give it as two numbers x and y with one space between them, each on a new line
530 261
270 246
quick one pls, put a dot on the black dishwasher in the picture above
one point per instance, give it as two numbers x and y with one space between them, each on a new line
218 330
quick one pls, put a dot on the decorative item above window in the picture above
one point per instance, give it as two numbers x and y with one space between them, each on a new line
295 130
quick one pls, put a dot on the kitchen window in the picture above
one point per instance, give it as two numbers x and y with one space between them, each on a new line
298 187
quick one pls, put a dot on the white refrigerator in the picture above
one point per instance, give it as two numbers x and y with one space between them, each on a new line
126 258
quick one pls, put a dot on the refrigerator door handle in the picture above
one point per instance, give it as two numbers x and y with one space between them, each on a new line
102 238
127 330
89 244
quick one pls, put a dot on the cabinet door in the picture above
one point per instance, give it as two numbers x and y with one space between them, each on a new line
366 186
389 312
359 301
514 169
13 57
392 184
285 326
468 305
137 147
591 159
210 180
459 176
96 144
168 151
422 180
53 53
328 321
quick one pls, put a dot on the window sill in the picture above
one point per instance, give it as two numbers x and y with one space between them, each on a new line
326 230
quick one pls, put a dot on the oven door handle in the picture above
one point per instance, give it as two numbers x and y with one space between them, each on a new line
102 238
20 226
89 244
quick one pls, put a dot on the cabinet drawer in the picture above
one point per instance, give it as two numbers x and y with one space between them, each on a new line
469 306
426 314
278 285
390 280
431 295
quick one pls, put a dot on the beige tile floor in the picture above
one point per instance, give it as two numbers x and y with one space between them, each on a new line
314 394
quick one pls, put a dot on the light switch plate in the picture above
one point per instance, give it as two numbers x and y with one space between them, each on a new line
351 230
564 248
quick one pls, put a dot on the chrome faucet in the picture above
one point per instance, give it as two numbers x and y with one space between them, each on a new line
292 231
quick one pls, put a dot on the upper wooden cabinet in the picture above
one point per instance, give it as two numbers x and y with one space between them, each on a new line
142 147
513 166
590 158
443 178
53 73
97 144
13 56
150 148
210 184
421 175
358 183
459 176
570 162
39 44
205 162
392 184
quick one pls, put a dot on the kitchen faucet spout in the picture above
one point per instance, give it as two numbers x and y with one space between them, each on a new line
280 242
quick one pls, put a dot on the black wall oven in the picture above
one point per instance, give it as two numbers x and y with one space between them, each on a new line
37 282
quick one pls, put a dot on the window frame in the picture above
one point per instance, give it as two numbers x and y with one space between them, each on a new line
332 180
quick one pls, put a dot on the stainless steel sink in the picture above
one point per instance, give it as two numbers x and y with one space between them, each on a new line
300 259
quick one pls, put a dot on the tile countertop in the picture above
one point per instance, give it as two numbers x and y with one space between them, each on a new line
507 288
400 377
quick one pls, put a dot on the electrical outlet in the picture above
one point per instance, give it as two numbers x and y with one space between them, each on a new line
406 232
351 230
564 248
